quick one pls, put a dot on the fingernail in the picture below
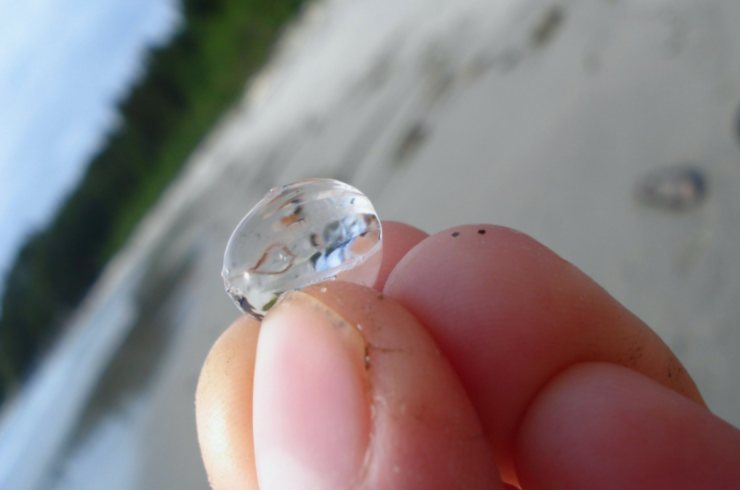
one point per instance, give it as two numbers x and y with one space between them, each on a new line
311 403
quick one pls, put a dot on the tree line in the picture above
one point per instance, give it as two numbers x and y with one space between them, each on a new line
186 84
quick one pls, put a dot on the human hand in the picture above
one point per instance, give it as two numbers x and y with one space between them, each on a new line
483 343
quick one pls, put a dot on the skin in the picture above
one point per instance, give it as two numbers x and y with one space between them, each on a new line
487 358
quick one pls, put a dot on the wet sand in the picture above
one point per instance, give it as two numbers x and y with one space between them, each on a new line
543 116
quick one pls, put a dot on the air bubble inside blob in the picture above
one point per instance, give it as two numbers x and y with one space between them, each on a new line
300 234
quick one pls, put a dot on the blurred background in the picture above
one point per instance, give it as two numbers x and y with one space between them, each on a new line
135 134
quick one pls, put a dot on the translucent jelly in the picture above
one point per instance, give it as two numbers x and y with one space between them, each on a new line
300 234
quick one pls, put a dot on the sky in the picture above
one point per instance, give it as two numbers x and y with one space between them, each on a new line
63 66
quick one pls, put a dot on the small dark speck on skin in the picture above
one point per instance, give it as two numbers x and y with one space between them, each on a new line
634 355
481 232
381 297
455 234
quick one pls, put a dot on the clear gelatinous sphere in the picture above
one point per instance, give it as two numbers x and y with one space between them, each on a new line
300 234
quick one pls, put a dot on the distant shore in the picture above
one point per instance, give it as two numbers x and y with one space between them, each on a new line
442 113
186 86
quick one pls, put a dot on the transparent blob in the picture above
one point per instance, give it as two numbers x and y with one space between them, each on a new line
300 234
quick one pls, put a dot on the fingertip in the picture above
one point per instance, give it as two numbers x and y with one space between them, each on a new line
350 392
599 425
223 407
311 411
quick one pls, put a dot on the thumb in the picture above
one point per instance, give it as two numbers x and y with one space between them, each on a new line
350 392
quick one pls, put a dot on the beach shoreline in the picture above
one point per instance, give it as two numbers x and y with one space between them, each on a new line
537 115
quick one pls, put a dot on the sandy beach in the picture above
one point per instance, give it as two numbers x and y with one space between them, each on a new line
540 115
